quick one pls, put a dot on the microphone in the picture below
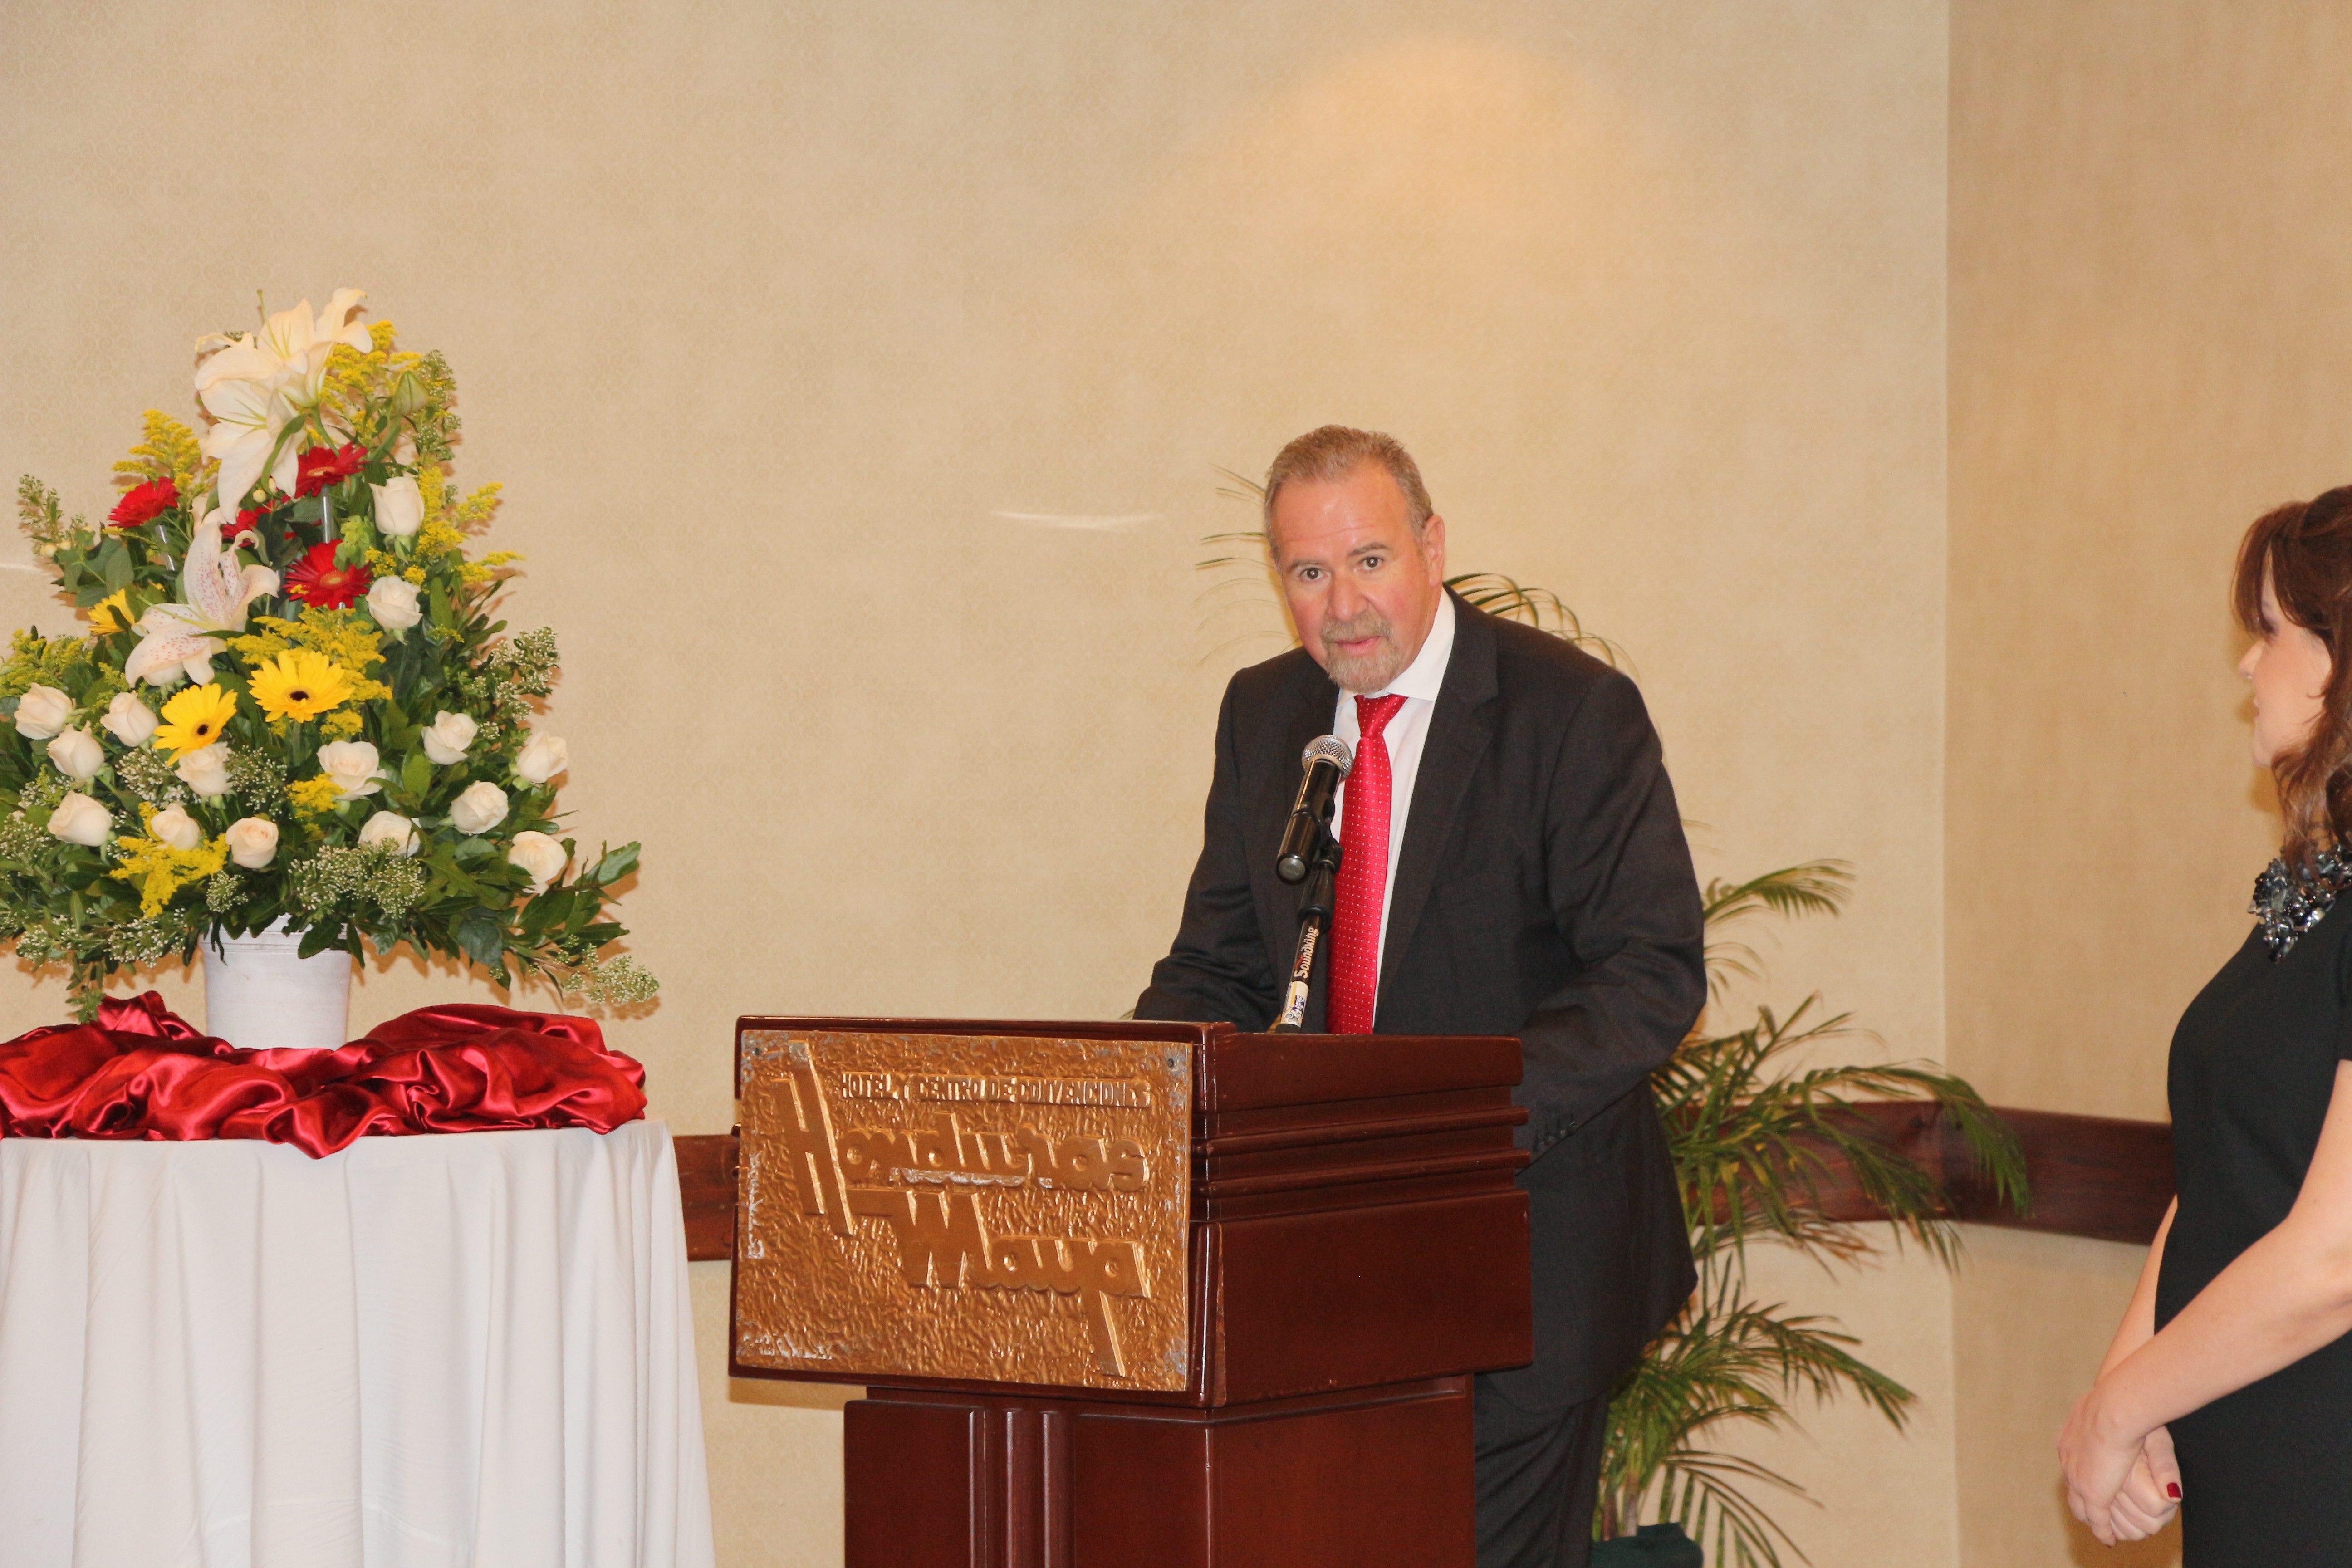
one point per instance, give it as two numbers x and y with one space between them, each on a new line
1326 761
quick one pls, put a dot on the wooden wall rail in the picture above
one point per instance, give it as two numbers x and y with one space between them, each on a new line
2091 1176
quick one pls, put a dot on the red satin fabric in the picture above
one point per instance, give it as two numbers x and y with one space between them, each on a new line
141 1072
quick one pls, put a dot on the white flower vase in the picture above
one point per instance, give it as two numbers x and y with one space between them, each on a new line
260 995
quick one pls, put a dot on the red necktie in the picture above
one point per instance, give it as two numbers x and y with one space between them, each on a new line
1363 875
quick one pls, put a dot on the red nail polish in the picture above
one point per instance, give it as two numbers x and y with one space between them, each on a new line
2172 1491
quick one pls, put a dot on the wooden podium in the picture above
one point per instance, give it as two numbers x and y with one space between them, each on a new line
1251 1278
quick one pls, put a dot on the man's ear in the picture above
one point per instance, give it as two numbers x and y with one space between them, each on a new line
1433 545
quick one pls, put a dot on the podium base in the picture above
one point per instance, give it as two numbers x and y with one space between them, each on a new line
1361 1479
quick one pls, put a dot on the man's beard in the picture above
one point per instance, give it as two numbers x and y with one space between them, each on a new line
1363 672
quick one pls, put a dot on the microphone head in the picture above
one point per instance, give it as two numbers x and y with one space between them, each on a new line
1328 749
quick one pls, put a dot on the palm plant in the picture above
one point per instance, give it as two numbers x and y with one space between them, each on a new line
1756 1143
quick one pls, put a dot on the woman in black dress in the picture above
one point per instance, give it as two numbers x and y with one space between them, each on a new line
2228 1391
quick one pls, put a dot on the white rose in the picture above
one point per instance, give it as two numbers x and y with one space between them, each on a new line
399 507
539 855
176 828
252 841
42 712
393 602
544 757
206 771
79 819
482 808
129 720
391 828
78 755
446 738
352 765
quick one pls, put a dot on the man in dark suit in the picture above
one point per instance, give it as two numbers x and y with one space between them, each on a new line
1512 864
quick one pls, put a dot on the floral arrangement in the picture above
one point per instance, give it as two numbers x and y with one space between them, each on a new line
289 700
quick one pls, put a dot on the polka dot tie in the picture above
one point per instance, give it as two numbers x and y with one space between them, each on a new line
1363 875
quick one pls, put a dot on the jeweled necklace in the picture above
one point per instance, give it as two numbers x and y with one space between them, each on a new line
2289 906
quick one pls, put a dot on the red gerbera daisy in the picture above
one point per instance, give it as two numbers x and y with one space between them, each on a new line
145 503
317 580
322 466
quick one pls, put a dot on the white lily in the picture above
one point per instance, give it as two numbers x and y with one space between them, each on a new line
252 384
180 639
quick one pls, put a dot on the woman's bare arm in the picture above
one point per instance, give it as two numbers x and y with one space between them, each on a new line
2138 1326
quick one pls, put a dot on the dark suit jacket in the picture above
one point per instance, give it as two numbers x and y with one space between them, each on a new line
1543 889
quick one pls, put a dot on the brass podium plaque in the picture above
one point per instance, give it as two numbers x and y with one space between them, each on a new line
960 1206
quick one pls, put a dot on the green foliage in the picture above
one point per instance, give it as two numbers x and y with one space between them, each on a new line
40 515
1539 608
1723 1359
1755 1138
34 660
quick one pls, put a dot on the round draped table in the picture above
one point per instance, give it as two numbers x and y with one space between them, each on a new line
465 1350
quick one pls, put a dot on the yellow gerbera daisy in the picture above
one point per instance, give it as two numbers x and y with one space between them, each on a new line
299 684
103 615
195 719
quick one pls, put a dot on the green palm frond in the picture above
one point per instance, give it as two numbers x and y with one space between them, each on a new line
1725 1360
1702 1491
1757 1141
1240 487
1728 1358
1538 607
1251 553
1815 887
1753 1144
1244 585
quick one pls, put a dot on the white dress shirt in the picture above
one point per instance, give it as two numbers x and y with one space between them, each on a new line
1404 736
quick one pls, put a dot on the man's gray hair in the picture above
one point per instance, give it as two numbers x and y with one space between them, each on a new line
1330 454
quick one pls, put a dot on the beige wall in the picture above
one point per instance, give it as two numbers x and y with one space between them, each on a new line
2149 332
785 326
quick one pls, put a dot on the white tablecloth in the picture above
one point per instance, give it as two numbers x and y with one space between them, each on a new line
470 1351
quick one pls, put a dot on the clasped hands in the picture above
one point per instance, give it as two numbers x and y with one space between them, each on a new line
2125 1486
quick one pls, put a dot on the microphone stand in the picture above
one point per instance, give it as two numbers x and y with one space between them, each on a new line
1314 900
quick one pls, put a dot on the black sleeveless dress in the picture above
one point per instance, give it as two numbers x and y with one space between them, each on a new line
2266 1472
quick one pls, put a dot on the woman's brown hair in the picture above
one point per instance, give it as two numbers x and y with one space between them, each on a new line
2305 550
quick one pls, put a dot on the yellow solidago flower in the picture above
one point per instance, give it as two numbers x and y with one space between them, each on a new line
342 726
313 797
339 636
195 719
162 871
110 613
476 508
168 450
299 684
